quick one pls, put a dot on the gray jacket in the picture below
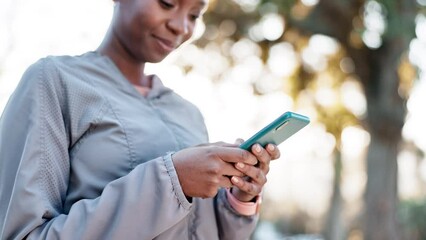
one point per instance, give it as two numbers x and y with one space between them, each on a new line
84 156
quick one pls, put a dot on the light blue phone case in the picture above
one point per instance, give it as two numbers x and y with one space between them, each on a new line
278 131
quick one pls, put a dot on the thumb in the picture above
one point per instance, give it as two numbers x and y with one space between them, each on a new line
238 141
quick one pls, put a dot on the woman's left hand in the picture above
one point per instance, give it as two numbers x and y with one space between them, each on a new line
247 188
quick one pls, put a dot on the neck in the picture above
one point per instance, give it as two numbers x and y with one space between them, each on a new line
129 66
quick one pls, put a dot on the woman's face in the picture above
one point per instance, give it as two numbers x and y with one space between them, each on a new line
148 30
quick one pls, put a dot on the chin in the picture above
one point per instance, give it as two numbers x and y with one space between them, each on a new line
151 56
156 59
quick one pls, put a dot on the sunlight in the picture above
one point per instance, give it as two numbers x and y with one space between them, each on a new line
326 97
323 45
309 168
255 33
353 185
374 19
248 5
199 30
315 57
244 48
421 27
221 80
272 25
32 34
282 59
353 97
422 2
269 83
375 24
227 28
314 60
422 169
354 140
408 184
310 3
417 53
372 39
414 128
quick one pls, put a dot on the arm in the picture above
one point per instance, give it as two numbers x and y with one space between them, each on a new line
244 199
127 208
34 173
231 224
204 169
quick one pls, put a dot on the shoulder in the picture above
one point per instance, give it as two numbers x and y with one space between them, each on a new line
67 71
65 78
35 77
50 67
66 63
77 65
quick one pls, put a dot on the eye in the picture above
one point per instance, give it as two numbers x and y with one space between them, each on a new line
166 4
194 17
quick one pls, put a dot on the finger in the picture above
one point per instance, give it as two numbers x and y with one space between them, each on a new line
273 151
234 155
263 156
245 186
224 144
228 169
225 182
255 174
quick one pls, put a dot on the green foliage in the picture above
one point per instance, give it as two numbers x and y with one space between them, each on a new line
413 218
303 80
399 17
295 225
285 6
346 22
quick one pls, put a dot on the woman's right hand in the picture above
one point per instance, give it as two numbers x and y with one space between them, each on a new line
203 169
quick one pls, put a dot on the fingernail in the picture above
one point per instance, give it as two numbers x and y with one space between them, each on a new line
257 148
271 147
235 179
240 165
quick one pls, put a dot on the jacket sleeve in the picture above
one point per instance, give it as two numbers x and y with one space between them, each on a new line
34 173
231 224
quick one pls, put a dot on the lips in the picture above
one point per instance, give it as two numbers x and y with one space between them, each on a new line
165 44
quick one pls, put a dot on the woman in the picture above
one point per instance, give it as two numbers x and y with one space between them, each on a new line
93 148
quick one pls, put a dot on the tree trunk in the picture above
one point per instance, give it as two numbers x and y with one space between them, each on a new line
385 118
381 192
334 228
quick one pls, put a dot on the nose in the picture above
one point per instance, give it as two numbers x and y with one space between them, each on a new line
179 24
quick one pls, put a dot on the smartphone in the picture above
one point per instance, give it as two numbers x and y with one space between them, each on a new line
278 131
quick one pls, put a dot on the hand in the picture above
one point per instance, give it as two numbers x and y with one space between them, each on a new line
246 188
203 169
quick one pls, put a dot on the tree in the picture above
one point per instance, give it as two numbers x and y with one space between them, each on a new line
375 35
377 69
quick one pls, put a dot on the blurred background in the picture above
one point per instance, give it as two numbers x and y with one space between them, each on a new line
355 67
